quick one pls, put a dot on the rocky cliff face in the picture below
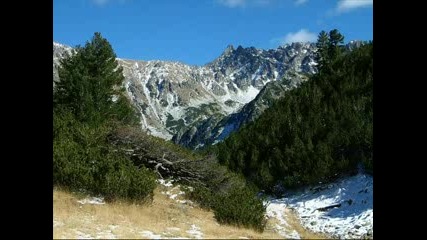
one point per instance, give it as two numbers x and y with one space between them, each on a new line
214 129
59 52
197 105
272 72
295 66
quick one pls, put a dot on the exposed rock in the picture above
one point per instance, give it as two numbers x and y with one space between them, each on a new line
200 105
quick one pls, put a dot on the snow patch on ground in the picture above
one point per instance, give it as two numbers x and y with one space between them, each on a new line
92 200
188 202
82 235
175 112
286 233
107 234
245 96
293 234
312 63
352 216
276 209
166 183
195 231
174 195
150 235
174 192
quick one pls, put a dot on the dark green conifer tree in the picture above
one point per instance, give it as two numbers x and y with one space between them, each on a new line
90 84
322 50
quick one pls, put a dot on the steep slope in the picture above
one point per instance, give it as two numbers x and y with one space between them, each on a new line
214 129
320 129
173 97
342 209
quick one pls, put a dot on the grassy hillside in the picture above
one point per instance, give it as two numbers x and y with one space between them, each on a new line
164 217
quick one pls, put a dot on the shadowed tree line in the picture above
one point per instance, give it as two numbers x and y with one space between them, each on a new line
315 132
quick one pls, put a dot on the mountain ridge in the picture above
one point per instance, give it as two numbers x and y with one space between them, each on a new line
173 98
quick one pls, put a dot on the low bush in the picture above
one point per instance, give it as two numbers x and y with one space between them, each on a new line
83 160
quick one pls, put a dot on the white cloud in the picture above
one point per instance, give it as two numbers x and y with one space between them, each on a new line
300 2
302 35
348 5
233 3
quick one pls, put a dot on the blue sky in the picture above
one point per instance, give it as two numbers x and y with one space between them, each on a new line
197 31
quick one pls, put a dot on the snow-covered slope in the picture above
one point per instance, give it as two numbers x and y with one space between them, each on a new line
198 105
214 129
343 209
174 98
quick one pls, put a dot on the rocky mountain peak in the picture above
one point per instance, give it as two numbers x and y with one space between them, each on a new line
229 49
59 52
354 44
198 105
173 97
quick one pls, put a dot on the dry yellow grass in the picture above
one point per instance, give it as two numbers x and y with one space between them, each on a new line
293 221
164 217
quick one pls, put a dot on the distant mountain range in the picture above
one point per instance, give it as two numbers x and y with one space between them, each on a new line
199 105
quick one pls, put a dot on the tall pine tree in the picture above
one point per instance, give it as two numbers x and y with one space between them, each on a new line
336 39
329 47
322 47
90 84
